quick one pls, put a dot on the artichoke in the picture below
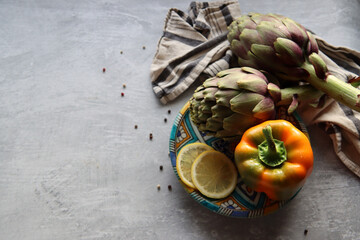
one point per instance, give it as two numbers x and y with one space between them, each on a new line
238 98
283 47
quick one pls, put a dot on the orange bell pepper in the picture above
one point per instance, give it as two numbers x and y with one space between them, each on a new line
274 157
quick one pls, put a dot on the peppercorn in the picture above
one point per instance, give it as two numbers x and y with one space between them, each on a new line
135 126
161 167
143 47
124 85
121 52
151 136
305 232
165 119
158 186
169 111
169 187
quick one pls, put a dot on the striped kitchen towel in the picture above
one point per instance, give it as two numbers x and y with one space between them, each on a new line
194 47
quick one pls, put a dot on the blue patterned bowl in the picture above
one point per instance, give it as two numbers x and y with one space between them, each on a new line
243 202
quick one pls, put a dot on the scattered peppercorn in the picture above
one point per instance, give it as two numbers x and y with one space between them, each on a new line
305 232
104 69
151 136
122 94
143 47
135 126
169 187
121 52
165 119
169 111
124 85
158 186
161 167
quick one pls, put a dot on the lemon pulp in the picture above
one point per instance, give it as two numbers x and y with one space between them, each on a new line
185 159
214 174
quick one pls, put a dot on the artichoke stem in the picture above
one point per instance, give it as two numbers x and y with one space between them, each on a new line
305 93
335 88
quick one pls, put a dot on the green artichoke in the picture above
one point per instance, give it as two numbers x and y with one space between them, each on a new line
238 98
284 48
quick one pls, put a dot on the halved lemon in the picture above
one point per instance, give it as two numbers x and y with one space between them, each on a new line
214 174
185 159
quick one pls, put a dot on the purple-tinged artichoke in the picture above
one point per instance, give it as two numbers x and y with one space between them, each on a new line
238 98
284 48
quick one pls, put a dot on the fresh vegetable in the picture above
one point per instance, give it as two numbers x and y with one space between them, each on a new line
283 47
274 157
238 98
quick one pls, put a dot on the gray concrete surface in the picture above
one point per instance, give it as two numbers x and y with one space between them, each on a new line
72 166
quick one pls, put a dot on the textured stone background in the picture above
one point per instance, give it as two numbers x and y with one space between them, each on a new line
72 166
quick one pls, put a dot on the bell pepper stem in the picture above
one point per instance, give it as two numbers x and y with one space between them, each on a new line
269 139
272 152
